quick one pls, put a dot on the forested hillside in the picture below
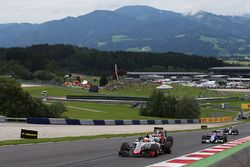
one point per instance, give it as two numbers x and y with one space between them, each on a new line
46 62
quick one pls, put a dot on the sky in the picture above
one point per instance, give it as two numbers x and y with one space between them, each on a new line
38 11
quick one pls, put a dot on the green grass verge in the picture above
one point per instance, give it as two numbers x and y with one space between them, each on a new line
86 110
209 112
45 140
219 156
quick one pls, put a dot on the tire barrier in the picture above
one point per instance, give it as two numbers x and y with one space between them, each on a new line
60 121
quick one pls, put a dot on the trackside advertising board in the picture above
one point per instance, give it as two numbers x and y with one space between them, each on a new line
245 106
216 119
29 134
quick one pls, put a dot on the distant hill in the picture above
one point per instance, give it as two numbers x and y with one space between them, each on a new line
139 28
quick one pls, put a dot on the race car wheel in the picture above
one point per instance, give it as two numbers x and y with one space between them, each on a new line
125 147
153 150
167 147
225 138
170 139
203 138
124 150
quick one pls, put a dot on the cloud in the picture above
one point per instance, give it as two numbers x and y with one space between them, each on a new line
37 11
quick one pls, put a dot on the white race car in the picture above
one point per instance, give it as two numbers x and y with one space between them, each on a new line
150 145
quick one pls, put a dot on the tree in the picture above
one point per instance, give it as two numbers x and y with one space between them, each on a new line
15 102
56 109
155 105
103 81
11 96
188 108
170 107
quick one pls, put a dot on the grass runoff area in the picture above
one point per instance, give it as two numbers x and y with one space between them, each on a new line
219 156
87 110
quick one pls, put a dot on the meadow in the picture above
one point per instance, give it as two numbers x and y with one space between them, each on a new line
87 110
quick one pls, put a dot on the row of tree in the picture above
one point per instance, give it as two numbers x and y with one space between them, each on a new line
48 61
14 102
169 106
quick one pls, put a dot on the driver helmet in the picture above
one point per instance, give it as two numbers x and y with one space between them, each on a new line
146 139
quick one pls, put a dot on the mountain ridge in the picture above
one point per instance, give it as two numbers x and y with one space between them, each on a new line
138 28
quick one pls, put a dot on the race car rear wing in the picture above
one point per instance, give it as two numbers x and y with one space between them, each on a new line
161 129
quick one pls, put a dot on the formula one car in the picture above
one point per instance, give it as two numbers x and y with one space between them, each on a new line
216 136
149 146
231 131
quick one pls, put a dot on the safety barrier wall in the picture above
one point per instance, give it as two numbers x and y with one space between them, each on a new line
57 121
216 119
61 121
108 98
2 119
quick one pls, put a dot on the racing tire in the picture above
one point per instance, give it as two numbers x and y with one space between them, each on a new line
167 147
170 139
124 150
225 138
202 138
153 150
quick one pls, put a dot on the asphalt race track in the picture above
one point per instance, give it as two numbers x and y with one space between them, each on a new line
98 153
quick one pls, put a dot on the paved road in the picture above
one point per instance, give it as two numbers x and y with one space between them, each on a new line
97 153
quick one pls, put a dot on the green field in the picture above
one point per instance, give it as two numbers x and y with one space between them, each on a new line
209 112
120 38
135 90
84 110
55 91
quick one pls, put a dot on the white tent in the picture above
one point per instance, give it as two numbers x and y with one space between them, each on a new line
164 87
84 82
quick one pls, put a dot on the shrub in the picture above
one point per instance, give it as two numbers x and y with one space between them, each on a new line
188 108
160 105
